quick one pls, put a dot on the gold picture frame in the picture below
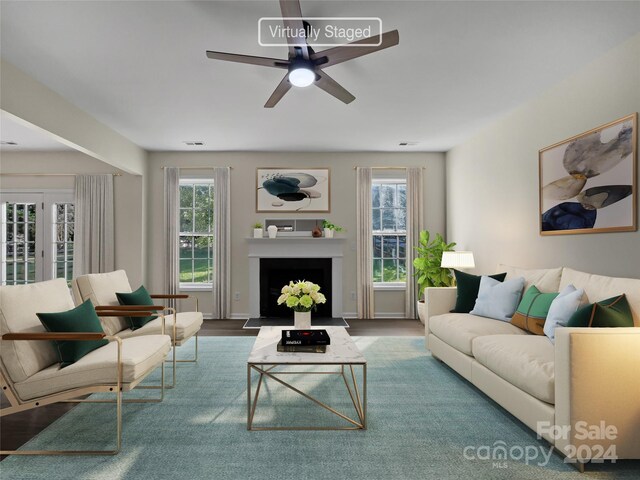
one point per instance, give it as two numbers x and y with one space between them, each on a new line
588 183
293 190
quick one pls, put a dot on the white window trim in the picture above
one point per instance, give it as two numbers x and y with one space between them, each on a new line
190 286
389 286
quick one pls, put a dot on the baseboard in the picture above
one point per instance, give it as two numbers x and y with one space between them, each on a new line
354 315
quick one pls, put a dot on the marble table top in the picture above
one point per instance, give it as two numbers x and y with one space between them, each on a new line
341 351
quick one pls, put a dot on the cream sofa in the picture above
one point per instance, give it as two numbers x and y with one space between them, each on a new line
590 375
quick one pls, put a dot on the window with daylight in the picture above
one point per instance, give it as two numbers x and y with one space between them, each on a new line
36 237
196 233
62 245
389 225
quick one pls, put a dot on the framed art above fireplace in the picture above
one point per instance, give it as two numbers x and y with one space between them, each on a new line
293 190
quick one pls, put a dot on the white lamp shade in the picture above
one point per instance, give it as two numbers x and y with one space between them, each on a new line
457 260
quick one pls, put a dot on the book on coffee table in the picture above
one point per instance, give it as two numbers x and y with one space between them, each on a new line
301 348
305 337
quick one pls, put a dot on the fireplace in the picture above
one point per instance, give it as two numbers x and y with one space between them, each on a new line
277 272
302 250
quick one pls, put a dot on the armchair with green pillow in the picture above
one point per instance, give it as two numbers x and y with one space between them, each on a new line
112 291
568 353
52 351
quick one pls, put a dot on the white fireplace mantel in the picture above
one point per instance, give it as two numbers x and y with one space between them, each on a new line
295 247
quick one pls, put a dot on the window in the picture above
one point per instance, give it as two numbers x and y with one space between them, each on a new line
36 237
389 225
62 244
196 233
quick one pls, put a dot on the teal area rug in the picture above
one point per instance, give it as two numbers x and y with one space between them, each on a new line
422 418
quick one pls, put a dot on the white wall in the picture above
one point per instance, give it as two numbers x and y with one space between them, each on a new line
243 214
492 179
128 197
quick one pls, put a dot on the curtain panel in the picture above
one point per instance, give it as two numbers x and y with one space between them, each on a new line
222 243
415 223
172 232
364 241
93 241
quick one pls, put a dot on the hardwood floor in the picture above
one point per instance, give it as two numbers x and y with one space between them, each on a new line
17 429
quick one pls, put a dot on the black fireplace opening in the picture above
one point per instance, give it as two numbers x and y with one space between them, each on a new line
278 272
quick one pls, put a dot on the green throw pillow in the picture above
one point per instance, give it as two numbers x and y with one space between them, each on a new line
139 297
83 319
533 309
612 312
468 286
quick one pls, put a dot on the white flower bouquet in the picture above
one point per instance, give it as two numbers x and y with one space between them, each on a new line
301 296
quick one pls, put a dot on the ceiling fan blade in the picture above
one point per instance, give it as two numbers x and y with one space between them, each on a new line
293 13
250 59
282 88
329 85
335 55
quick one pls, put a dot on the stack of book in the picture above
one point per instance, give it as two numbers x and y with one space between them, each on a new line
306 341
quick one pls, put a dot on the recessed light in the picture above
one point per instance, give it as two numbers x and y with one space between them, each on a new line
3 142
194 143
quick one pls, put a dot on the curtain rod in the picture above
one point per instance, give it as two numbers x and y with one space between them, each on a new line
389 168
54 174
193 168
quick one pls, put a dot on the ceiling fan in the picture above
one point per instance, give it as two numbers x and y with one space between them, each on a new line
305 66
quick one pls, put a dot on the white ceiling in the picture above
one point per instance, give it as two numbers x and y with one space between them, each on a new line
140 68
26 137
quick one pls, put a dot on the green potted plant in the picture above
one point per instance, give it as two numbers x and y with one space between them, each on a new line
257 230
426 266
329 228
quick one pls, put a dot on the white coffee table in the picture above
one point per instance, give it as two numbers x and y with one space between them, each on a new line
267 362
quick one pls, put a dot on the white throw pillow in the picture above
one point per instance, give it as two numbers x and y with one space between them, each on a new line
561 309
498 300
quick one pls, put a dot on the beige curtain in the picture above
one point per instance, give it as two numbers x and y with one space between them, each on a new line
172 232
93 242
222 243
415 215
364 242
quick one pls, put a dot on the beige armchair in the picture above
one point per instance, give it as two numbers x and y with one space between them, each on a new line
101 288
31 376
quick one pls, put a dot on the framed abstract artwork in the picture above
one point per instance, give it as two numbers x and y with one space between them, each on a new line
588 182
293 190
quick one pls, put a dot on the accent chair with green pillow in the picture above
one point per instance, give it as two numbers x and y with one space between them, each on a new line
82 318
468 286
30 368
532 310
612 312
139 297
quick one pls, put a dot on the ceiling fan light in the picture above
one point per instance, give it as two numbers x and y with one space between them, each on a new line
302 77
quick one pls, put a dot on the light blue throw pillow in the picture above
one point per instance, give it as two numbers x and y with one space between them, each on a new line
498 300
561 309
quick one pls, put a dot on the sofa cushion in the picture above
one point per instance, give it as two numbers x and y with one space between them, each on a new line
187 324
533 309
612 312
526 362
139 297
139 355
467 287
101 289
546 279
561 310
83 319
18 307
459 329
498 300
598 287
